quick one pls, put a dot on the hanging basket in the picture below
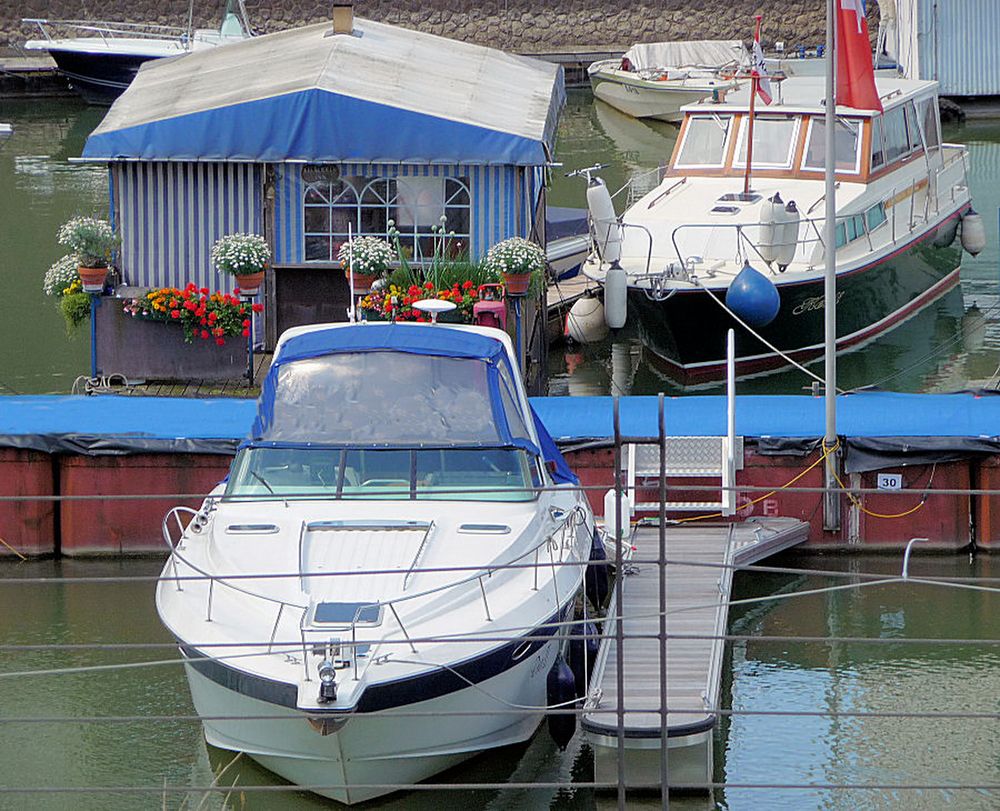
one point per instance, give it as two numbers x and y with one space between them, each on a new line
250 283
517 284
92 278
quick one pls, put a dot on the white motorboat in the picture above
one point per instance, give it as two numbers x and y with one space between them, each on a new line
654 80
678 252
101 59
371 595
6 130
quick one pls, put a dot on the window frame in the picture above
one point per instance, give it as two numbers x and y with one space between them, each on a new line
793 141
813 120
714 118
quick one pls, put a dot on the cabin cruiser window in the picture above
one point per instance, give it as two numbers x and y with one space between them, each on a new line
875 216
847 143
878 148
897 141
928 114
705 140
911 127
774 140
858 225
449 473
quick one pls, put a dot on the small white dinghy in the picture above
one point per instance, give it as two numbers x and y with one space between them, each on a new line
388 566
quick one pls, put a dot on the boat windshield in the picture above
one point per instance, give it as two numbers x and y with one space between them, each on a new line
774 138
705 141
444 474
393 398
847 143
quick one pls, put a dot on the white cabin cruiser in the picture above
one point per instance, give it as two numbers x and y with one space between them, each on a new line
678 251
386 564
654 80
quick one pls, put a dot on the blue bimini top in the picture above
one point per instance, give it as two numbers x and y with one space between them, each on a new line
391 385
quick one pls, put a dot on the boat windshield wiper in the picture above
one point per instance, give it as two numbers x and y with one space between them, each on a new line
270 489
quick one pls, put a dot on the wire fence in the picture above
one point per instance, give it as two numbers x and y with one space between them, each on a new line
615 623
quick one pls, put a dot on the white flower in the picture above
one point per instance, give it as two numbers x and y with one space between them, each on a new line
61 275
241 254
368 255
515 255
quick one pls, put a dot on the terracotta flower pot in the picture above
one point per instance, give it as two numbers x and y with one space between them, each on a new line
92 278
362 281
250 283
517 283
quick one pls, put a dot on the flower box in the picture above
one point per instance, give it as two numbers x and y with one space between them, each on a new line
144 349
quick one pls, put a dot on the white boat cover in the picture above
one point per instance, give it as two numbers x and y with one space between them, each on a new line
712 53
383 94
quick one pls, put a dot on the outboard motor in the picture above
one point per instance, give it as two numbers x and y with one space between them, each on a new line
561 690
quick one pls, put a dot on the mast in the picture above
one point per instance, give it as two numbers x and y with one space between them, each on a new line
754 85
831 511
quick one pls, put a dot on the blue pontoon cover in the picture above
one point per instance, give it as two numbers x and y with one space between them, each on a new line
393 385
383 94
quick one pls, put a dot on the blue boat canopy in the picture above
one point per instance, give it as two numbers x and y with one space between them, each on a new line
382 94
394 385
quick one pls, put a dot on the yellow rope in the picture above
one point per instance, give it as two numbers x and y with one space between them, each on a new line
857 503
789 483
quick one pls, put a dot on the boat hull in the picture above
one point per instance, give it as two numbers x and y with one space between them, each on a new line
686 333
640 98
373 754
99 77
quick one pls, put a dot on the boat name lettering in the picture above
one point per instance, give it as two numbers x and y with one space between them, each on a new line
814 303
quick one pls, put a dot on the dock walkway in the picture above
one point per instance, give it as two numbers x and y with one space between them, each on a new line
699 579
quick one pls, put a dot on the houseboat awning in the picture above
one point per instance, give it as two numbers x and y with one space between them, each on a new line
382 94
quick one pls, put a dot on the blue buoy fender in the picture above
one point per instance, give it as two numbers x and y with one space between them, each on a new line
561 690
597 584
753 297
583 647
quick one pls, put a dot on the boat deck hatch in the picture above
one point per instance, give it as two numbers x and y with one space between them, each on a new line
740 197
347 613
725 210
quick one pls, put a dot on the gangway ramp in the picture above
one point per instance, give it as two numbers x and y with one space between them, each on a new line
699 574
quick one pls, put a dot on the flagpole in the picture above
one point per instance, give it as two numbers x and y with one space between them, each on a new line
831 502
754 84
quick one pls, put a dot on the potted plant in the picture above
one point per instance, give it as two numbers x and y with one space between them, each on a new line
519 264
93 241
62 282
366 259
244 256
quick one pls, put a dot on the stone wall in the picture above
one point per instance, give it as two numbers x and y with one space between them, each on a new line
525 26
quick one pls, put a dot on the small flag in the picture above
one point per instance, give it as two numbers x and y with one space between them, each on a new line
855 71
759 71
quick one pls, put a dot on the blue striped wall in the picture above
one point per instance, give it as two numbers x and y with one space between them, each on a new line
503 201
169 214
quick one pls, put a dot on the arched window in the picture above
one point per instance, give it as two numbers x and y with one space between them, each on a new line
416 206
329 206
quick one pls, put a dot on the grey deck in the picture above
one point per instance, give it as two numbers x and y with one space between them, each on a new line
695 597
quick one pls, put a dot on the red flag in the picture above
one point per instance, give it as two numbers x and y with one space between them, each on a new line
855 73
759 71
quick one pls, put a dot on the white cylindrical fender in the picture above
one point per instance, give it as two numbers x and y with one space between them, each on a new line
973 233
787 236
585 321
607 231
615 297
611 514
772 212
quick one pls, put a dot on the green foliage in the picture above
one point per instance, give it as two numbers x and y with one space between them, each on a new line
75 308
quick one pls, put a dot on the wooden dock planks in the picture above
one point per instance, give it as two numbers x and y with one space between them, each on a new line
698 586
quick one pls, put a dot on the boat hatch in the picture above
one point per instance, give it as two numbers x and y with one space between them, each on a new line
740 197
725 210
346 614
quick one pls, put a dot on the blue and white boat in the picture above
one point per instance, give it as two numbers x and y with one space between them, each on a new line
375 592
